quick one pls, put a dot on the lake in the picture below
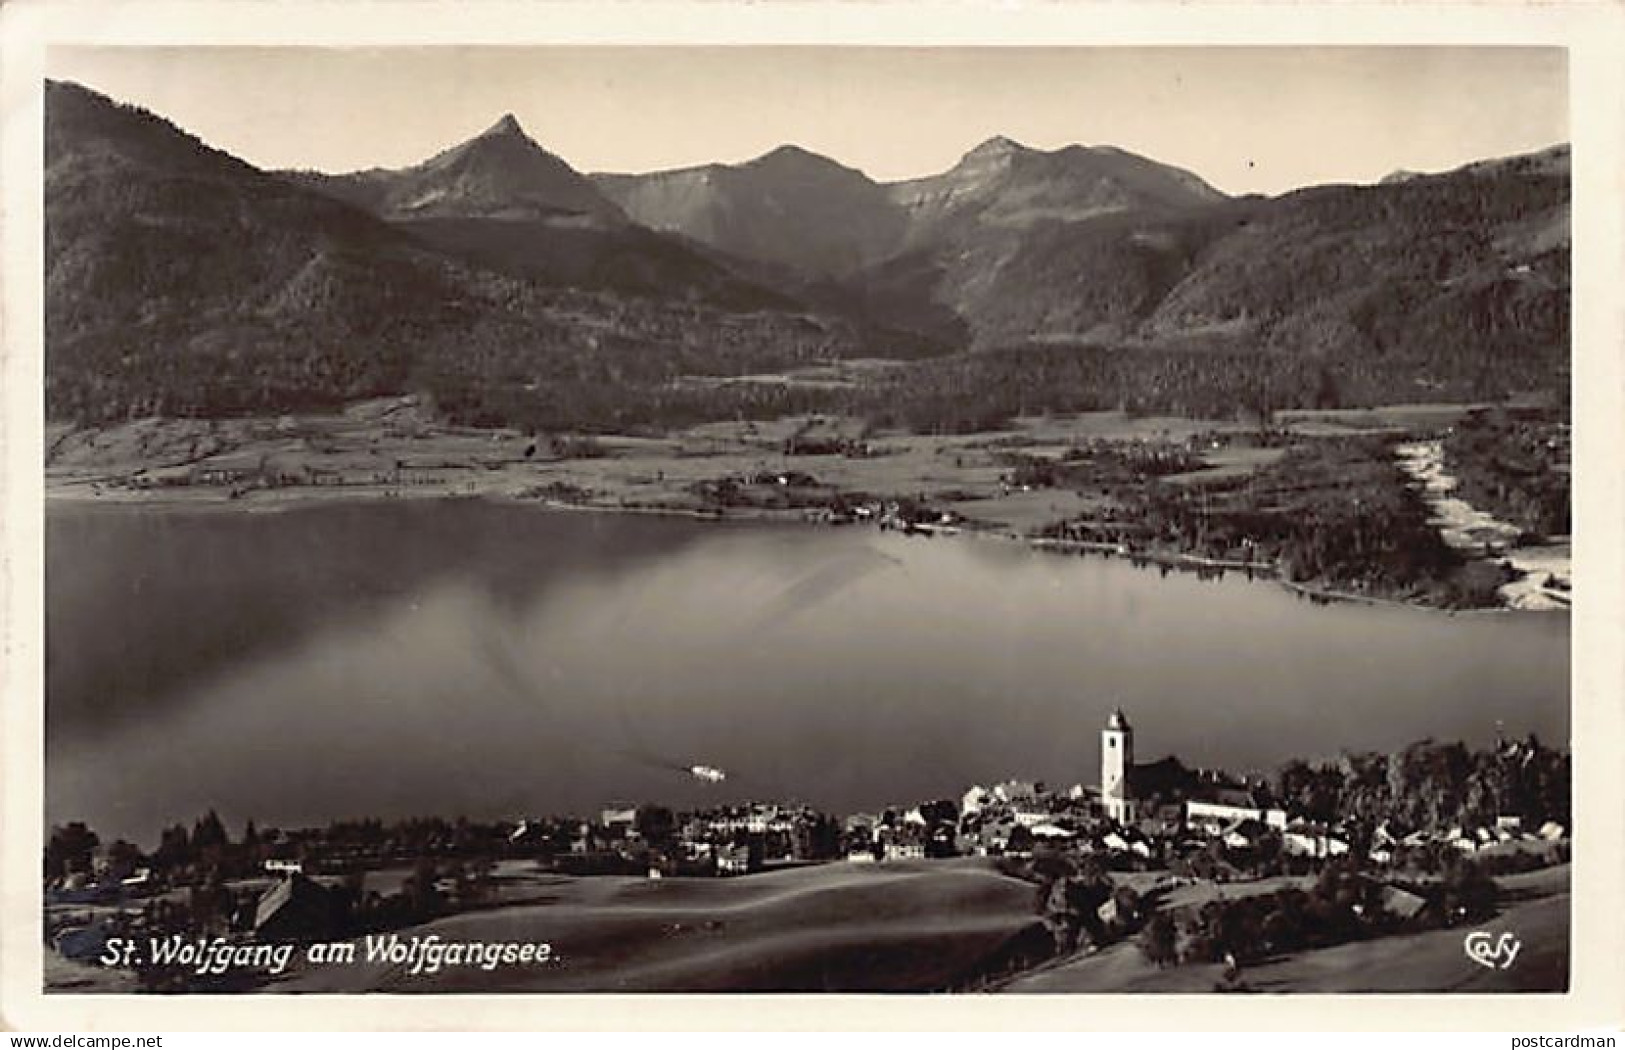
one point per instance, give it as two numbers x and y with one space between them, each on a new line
492 660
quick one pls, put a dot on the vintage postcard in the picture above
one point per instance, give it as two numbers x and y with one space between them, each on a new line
1039 508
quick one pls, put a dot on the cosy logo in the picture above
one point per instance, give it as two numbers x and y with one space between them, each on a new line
1490 951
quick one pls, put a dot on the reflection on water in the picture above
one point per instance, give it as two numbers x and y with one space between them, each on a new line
491 660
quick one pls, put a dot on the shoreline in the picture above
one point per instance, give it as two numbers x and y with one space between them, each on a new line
292 498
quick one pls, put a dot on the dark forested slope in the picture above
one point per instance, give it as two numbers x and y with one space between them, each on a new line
182 281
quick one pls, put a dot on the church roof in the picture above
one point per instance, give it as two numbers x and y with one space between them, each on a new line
1117 720
1166 776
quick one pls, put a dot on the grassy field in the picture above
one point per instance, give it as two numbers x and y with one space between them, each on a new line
909 926
395 449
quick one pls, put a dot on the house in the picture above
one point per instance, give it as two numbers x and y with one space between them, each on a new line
1113 914
904 848
583 841
861 823
110 865
1162 821
1551 831
1017 791
1243 834
1230 806
733 860
1402 904
1317 841
1125 840
904 842
296 908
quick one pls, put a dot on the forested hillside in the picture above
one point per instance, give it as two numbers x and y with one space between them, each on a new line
181 281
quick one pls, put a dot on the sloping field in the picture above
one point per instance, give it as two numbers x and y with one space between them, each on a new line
894 927
1535 909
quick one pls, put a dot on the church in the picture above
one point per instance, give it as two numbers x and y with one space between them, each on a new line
1128 790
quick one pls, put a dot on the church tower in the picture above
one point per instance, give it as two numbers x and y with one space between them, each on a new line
1116 764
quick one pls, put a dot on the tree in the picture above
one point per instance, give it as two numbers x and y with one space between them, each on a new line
208 832
122 859
423 897
174 847
1159 940
1283 928
70 849
655 824
1467 893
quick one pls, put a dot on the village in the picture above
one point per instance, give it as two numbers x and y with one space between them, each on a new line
1139 835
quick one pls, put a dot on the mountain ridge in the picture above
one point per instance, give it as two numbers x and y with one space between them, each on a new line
843 220
502 278
789 206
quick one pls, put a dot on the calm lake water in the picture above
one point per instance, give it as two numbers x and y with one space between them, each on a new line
490 660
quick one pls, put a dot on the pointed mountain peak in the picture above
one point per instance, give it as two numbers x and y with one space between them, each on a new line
508 125
791 154
997 146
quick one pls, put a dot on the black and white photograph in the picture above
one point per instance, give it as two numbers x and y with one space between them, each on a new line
1022 520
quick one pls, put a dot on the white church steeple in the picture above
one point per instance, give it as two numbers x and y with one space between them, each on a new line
1116 765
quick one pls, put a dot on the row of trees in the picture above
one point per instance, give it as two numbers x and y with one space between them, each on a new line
1432 786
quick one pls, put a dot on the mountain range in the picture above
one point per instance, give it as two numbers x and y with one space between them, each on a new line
495 276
